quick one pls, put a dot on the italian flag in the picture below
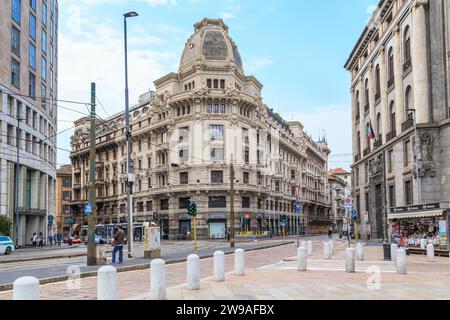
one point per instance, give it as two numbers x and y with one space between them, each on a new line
369 131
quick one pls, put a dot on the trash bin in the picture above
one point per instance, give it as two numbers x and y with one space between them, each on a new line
387 251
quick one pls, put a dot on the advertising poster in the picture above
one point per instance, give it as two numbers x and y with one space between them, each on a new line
443 233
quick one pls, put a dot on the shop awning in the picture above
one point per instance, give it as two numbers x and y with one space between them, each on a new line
418 214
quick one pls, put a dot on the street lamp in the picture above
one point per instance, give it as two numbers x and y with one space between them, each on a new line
130 175
416 158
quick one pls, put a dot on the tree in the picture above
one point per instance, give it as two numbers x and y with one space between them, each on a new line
5 226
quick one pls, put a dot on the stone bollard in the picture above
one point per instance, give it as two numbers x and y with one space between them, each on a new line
304 245
360 251
158 279
350 260
107 283
239 262
193 272
400 262
423 244
310 248
219 266
430 252
26 288
332 247
302 258
394 249
326 251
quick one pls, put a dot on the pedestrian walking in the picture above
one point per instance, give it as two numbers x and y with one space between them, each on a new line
50 239
330 233
41 240
59 239
34 239
119 240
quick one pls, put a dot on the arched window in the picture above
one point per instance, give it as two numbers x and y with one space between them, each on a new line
357 104
409 104
407 47
390 66
377 82
392 116
378 124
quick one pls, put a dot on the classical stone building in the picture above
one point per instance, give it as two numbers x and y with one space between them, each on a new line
28 90
399 71
185 137
63 198
338 189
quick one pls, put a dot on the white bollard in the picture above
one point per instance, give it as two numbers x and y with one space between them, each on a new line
304 245
400 262
360 251
193 272
326 251
423 244
394 249
310 248
158 279
430 252
332 247
219 266
302 258
350 260
107 283
26 288
239 262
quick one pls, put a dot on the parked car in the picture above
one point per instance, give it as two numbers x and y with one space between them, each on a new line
74 240
6 245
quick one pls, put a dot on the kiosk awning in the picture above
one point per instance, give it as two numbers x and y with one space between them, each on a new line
419 214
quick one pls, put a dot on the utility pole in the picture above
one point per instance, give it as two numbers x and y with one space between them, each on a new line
92 254
232 203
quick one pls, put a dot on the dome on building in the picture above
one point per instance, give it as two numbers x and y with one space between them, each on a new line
210 43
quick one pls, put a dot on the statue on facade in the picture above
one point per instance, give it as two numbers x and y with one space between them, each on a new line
426 146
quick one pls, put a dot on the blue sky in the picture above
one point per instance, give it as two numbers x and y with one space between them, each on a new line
297 50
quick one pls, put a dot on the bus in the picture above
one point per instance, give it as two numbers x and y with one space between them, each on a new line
106 231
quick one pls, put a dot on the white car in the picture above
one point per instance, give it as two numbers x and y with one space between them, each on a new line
6 245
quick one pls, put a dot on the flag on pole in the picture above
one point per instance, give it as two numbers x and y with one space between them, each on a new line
369 131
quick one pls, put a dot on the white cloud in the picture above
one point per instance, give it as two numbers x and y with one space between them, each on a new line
226 15
335 120
254 64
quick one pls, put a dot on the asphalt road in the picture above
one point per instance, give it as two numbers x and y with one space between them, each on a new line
55 267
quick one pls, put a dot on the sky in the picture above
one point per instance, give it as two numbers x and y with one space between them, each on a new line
296 49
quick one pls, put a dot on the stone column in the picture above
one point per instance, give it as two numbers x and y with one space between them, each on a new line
385 116
419 56
398 72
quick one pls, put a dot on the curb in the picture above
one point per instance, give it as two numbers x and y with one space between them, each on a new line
89 274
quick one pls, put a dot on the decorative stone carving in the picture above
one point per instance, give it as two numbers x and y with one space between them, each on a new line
426 146
376 165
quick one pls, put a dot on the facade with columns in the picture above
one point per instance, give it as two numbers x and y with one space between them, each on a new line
186 136
28 115
399 77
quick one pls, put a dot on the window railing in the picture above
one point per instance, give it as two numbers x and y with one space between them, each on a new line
407 124
357 158
358 117
379 141
391 135
407 64
366 152
391 82
366 108
377 96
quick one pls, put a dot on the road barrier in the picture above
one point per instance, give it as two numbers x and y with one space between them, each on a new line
239 262
394 249
350 260
310 248
26 288
360 251
400 262
304 245
430 252
219 266
326 251
302 259
158 280
193 272
332 247
107 283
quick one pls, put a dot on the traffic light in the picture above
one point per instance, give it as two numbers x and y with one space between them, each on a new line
191 208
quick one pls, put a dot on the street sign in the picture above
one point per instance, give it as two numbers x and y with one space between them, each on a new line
297 207
354 213
282 224
348 202
87 209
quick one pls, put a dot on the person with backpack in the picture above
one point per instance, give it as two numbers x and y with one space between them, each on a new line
119 240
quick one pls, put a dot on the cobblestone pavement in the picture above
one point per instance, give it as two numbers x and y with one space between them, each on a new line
271 274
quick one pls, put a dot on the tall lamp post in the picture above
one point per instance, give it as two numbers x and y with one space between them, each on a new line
130 175
416 158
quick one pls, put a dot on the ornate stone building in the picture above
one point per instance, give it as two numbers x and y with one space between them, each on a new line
28 114
185 137
399 70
